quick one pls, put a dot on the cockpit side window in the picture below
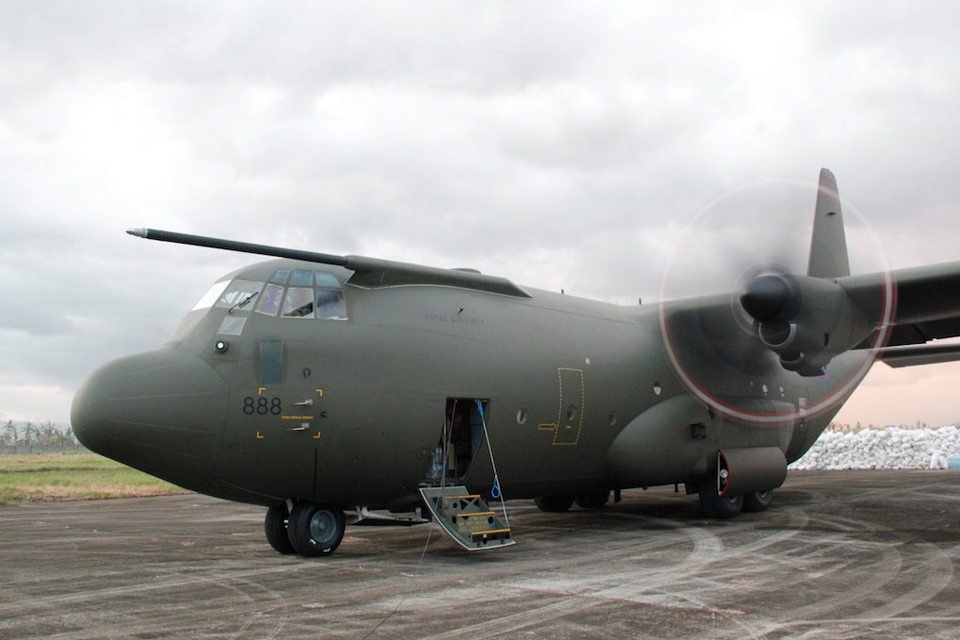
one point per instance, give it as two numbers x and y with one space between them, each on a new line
310 294
331 305
298 303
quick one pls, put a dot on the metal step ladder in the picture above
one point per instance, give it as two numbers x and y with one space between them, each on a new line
466 517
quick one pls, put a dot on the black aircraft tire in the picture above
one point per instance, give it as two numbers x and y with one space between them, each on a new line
554 504
315 529
718 507
594 500
757 502
275 527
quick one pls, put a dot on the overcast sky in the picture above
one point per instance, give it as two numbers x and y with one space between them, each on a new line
562 145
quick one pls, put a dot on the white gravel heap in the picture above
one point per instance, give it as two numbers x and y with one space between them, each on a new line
891 448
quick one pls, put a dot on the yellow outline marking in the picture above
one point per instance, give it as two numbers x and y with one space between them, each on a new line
320 391
296 417
550 426
259 437
317 437
479 513
260 390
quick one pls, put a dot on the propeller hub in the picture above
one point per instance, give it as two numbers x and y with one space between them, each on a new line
767 297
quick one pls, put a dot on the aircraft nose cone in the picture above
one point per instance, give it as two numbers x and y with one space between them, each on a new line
161 412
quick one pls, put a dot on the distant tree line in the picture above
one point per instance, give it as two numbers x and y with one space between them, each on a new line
30 436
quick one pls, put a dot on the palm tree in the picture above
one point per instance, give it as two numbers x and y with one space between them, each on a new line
10 434
69 438
49 434
29 433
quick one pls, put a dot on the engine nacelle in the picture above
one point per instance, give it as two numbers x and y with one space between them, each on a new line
807 321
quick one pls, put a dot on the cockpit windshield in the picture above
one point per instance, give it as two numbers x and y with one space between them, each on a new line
240 294
297 293
289 293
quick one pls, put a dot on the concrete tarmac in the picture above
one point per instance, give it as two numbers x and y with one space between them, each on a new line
838 555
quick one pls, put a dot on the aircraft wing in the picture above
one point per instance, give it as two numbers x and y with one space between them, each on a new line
927 308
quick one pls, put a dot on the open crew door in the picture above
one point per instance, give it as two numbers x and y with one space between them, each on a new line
460 440
464 516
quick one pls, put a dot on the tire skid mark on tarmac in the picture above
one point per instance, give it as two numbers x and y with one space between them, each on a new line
164 583
939 577
175 622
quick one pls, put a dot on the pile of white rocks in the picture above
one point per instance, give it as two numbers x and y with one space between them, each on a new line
890 448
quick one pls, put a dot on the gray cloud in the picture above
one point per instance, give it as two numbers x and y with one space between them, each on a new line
554 143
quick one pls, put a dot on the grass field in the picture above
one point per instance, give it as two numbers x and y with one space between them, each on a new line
73 476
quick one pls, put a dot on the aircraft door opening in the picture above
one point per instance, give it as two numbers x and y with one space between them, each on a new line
461 436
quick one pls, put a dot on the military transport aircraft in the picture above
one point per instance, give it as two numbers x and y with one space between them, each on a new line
317 384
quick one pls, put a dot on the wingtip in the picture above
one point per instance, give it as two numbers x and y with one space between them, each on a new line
139 232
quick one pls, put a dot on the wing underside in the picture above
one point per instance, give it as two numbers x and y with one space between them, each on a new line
927 312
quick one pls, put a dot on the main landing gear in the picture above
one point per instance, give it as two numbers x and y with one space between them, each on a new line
562 503
311 529
723 507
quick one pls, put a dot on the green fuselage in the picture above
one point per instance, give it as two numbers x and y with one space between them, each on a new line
348 408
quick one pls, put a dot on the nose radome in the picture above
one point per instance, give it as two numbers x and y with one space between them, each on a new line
161 412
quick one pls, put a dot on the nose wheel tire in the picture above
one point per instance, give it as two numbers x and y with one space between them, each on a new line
275 527
315 529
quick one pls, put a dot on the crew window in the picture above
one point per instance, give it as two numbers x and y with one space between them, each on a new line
298 303
331 305
280 277
327 280
241 294
270 300
232 325
301 278
211 296
311 294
